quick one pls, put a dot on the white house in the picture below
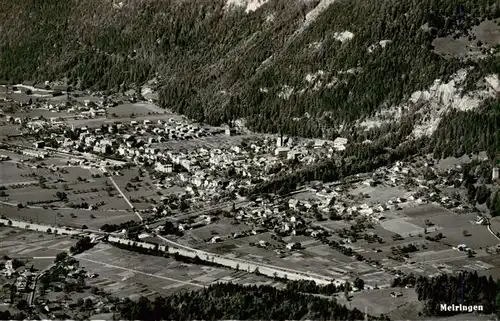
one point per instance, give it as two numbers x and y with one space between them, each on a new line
339 143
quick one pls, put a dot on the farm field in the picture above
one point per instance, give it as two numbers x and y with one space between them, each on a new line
67 217
38 249
90 193
9 130
126 274
453 225
80 185
315 257
140 193
97 122
412 221
494 261
202 235
218 141
29 194
137 109
431 257
378 302
45 113
381 193
13 173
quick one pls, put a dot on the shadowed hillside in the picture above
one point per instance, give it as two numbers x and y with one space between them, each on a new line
218 64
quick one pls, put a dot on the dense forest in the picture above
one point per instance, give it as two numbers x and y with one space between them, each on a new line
464 288
238 302
466 132
210 60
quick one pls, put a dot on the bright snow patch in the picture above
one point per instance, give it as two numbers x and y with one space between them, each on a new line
381 44
249 5
286 92
343 36
314 13
351 71
314 45
117 5
310 78
270 17
332 82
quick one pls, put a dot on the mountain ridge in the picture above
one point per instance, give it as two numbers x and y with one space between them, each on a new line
217 64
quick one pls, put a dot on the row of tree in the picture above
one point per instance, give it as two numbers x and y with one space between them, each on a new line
305 286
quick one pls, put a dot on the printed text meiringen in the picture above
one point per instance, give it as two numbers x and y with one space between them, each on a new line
460 308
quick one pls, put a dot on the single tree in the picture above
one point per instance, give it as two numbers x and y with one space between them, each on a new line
346 291
359 283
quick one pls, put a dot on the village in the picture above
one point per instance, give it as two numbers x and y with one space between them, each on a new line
148 185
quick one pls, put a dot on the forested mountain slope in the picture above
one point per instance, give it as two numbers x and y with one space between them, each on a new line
303 66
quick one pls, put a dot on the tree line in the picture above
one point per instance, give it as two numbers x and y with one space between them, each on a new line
467 288
227 301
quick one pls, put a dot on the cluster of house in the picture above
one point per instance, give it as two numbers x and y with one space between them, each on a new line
137 142
132 141
273 215
81 109
245 163
22 277
287 147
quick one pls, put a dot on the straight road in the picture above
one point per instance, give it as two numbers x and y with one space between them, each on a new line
122 194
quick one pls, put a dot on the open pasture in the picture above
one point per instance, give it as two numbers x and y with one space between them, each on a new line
458 229
9 130
220 228
32 194
45 113
18 173
125 274
402 226
218 141
380 301
424 211
331 262
38 248
67 217
381 193
136 109
494 262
